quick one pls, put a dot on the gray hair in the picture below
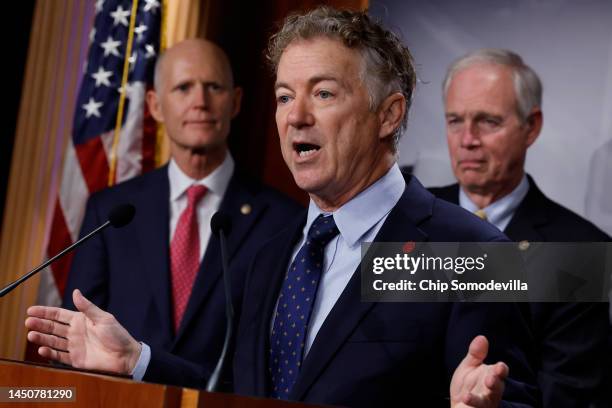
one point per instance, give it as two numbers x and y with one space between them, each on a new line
527 84
387 63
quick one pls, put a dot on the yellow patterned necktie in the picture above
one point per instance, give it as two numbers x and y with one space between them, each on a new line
481 214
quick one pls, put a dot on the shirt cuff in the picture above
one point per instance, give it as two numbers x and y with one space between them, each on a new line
143 362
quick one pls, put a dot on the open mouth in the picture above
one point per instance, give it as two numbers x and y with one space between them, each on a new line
305 149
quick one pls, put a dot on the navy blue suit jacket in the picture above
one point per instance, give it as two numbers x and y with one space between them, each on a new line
384 354
126 271
571 337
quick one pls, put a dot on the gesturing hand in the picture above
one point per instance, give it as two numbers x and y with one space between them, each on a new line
475 384
90 338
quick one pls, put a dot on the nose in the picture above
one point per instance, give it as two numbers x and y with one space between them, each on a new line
201 99
470 136
300 114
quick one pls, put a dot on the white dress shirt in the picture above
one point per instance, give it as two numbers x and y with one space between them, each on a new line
500 212
358 221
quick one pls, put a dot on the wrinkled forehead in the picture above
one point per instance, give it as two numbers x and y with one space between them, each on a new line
319 57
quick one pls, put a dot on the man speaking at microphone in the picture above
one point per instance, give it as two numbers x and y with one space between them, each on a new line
161 276
343 88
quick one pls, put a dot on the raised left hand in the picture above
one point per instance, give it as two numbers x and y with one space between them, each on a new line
476 384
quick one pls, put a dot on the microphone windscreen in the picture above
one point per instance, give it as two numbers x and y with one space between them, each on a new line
121 215
220 221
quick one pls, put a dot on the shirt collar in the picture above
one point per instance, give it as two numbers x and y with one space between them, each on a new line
356 217
501 209
216 182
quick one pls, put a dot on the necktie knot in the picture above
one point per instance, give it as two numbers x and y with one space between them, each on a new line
481 214
322 230
195 194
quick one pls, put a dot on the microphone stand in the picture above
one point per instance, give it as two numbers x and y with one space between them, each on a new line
213 381
28 275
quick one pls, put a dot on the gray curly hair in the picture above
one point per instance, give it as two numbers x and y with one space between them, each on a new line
387 63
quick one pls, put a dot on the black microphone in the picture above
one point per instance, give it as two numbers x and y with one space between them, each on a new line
221 225
118 217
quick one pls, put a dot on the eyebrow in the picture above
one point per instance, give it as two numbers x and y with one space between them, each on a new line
311 81
191 81
477 115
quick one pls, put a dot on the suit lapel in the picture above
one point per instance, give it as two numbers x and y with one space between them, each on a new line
448 193
529 217
236 196
153 214
401 225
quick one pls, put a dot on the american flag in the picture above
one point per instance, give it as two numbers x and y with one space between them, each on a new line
98 155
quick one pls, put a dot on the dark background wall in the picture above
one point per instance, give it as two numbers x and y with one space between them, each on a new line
16 34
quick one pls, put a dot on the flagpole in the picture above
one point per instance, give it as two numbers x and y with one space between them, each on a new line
124 79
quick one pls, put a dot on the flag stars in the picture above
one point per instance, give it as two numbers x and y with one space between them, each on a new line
120 16
102 77
128 90
132 60
92 108
150 51
99 6
140 30
110 47
151 5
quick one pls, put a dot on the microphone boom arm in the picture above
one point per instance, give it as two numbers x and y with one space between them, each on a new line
28 275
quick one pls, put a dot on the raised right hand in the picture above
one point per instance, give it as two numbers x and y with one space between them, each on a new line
90 338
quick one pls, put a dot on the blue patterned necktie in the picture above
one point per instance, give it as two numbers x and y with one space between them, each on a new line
294 308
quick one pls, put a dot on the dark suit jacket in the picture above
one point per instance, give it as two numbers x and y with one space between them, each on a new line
571 338
126 271
383 354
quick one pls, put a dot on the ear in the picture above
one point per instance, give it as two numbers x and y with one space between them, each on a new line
237 101
534 125
154 106
391 112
